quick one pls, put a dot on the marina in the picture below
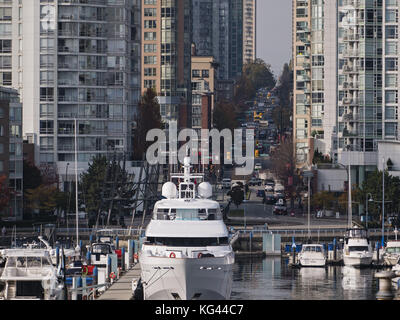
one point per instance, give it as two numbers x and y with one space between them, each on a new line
118 278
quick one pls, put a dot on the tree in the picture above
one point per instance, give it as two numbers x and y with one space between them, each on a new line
256 75
32 176
92 183
283 112
324 200
104 186
373 185
225 116
237 195
42 198
148 118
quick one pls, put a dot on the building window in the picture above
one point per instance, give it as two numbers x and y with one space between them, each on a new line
150 36
149 72
148 84
150 12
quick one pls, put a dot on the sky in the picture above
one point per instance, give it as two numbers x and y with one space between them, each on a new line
274 33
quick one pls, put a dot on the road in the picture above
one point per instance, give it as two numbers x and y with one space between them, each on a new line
258 213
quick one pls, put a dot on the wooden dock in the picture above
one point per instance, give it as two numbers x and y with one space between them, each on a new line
122 288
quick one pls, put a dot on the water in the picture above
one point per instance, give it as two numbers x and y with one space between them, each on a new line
272 279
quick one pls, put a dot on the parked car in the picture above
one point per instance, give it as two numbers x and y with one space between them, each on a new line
280 210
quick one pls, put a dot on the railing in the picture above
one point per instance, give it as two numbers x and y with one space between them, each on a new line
334 232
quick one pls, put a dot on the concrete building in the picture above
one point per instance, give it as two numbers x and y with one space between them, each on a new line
73 60
301 46
166 46
11 154
346 88
211 32
249 30
203 91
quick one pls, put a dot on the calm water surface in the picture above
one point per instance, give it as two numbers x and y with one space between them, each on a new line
272 279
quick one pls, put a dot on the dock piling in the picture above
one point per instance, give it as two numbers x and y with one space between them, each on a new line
385 285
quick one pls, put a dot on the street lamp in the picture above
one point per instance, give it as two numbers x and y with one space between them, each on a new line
309 175
383 202
368 199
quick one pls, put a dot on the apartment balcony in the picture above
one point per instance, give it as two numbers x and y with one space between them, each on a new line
64 49
351 70
88 2
303 77
349 133
351 53
67 66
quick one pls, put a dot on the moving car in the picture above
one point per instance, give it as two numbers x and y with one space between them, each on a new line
255 182
260 193
270 199
226 183
280 210
258 166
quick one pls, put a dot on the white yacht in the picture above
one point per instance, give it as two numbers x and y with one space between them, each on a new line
391 253
29 275
186 254
312 255
357 249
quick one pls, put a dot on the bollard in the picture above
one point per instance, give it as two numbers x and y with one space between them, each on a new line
334 250
74 294
79 294
294 255
108 269
58 256
95 281
88 257
84 286
123 259
385 285
377 253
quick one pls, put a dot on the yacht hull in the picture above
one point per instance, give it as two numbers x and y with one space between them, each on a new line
186 278
357 261
390 260
312 262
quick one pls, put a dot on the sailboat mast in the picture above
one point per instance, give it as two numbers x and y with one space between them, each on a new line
76 186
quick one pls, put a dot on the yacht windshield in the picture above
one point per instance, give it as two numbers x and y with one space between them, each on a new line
101 248
187 242
313 249
27 262
393 250
192 214
358 248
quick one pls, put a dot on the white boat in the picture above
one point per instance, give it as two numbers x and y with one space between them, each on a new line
357 249
30 275
391 253
186 254
312 255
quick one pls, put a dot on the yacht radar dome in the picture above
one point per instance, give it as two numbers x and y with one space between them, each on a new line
169 190
205 190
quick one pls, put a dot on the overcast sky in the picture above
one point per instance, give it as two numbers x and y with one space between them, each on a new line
274 32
